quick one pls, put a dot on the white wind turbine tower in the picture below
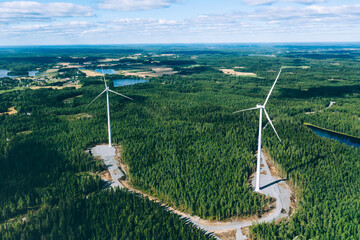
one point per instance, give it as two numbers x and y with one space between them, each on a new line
262 108
107 90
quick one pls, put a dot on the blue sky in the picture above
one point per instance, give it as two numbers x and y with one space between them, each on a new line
44 22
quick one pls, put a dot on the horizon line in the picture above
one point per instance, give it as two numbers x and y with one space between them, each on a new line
182 43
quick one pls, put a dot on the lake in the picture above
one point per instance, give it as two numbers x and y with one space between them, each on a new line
351 141
125 82
4 73
106 71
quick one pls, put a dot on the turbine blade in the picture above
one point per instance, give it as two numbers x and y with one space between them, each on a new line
268 96
246 110
268 118
95 98
121 94
102 70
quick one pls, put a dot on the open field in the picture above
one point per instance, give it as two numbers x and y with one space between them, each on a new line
77 86
156 71
75 116
233 72
24 132
51 72
69 65
12 89
91 73
11 111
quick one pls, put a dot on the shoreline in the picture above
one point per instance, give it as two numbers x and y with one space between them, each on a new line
332 131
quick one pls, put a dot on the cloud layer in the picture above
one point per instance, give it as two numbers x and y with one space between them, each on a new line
31 10
135 5
278 22
269 2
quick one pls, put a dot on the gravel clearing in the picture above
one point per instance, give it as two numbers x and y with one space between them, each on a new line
107 154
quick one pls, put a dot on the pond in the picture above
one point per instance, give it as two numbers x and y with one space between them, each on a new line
351 141
106 71
125 82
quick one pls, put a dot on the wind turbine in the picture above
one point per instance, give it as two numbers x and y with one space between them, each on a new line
262 108
107 90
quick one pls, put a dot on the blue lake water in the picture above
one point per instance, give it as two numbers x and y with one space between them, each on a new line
338 137
106 71
125 82
4 73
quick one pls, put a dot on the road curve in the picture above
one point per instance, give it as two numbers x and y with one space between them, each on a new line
269 185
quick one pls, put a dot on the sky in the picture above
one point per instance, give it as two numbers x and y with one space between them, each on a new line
73 22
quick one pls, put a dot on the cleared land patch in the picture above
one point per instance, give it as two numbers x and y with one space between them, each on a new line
24 132
91 73
148 71
11 111
77 86
76 116
233 72
69 100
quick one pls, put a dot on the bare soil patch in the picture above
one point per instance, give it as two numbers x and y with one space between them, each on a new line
77 86
143 71
245 231
109 60
233 72
105 175
74 66
11 111
91 73
64 64
24 132
76 116
226 235
274 172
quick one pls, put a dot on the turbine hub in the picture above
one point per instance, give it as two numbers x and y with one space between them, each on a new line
259 106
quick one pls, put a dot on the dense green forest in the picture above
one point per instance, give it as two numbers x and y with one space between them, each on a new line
184 145
112 214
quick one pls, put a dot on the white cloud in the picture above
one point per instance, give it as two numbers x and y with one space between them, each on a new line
31 10
275 23
259 2
325 13
269 2
135 5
